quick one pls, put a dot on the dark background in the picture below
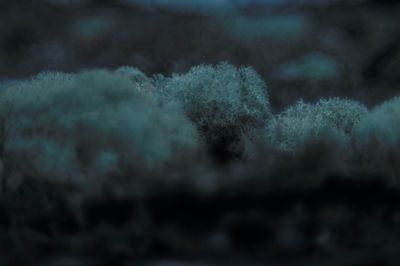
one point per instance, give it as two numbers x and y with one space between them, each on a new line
302 49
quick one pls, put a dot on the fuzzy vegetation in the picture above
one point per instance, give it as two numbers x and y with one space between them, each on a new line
376 139
88 125
227 104
105 157
328 119
101 123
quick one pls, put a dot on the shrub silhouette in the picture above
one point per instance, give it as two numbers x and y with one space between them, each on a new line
92 124
376 139
327 120
226 103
